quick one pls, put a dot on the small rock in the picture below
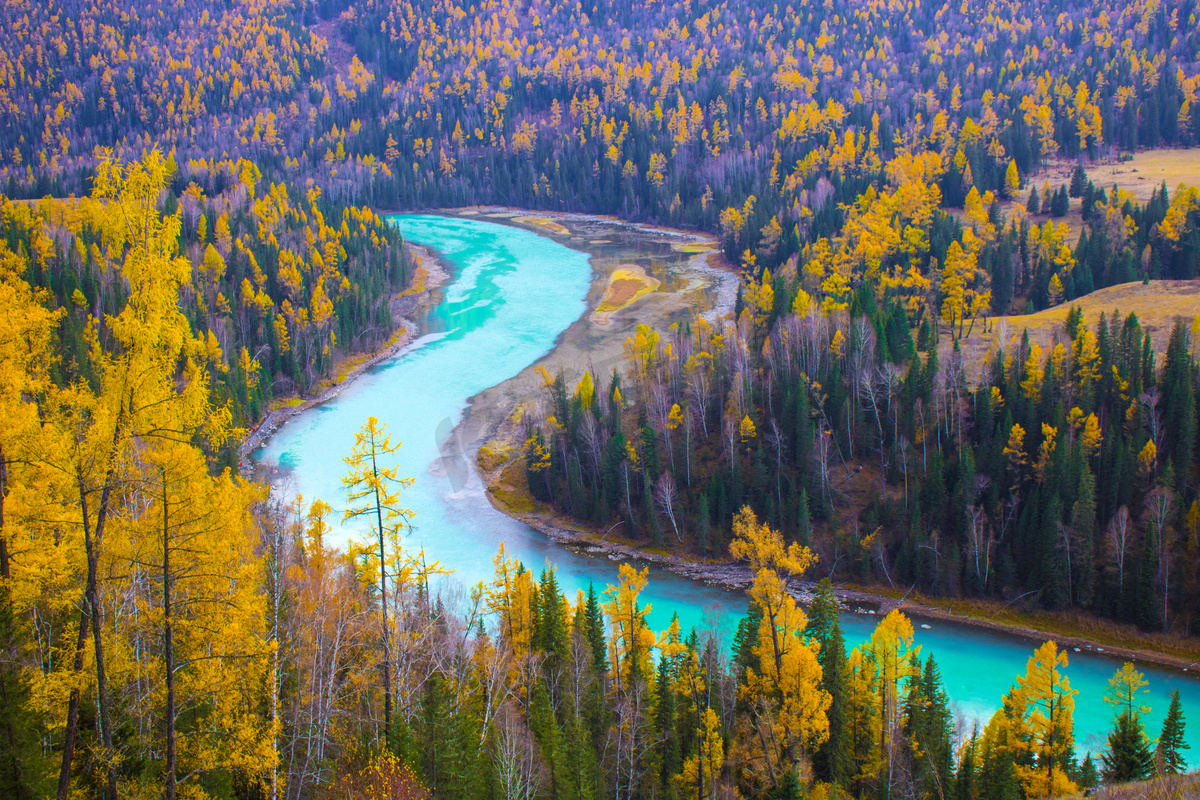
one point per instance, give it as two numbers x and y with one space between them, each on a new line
925 627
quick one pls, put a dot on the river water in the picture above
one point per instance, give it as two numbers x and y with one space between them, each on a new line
512 293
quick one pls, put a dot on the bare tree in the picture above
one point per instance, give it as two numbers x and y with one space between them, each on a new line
979 545
660 416
516 759
777 441
699 388
1119 537
665 498
822 443
1160 503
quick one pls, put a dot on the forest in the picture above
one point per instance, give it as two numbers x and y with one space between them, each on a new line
194 228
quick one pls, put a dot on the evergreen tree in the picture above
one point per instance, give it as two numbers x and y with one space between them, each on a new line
1034 204
803 520
831 761
965 776
1170 760
550 741
665 712
1128 757
595 631
929 725
1083 520
1078 181
1088 777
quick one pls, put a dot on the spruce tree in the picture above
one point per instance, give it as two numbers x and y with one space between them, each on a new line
1088 776
667 750
803 521
549 738
831 761
929 726
595 631
1034 204
1170 760
1078 181
964 776
1083 520
1128 757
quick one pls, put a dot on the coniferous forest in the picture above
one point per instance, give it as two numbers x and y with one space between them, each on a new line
193 231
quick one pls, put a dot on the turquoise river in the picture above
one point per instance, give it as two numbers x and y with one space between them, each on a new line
512 293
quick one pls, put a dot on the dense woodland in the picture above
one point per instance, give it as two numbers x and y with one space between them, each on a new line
193 229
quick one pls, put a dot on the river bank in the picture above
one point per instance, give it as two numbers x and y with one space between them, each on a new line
493 430
422 294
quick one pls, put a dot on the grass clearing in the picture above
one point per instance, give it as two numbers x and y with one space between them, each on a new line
1157 305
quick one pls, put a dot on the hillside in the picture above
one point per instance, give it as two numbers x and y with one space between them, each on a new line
1157 305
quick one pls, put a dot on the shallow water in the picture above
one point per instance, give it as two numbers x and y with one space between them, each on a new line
513 293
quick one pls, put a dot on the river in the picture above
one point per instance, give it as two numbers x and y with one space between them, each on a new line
512 293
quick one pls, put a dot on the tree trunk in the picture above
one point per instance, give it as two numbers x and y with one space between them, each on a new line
92 545
68 752
168 651
387 663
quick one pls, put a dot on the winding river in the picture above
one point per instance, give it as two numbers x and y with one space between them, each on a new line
513 292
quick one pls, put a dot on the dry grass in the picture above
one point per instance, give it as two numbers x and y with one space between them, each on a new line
1157 305
419 279
544 223
1174 787
1140 176
625 287
492 455
511 490
694 247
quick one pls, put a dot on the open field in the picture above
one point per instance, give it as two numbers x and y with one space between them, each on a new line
1157 305
1140 176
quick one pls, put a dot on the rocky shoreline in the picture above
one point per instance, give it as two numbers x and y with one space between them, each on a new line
405 308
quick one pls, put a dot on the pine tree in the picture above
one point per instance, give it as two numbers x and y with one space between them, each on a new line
1171 741
929 726
595 631
1128 757
1034 204
804 521
1078 181
832 759
665 711
1088 777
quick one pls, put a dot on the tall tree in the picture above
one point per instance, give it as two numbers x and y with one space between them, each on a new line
1171 741
373 489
